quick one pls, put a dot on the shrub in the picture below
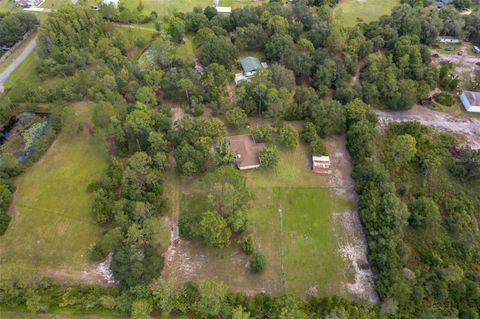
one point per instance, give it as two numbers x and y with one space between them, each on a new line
309 133
288 136
236 117
318 148
424 212
269 157
248 245
444 98
262 132
257 262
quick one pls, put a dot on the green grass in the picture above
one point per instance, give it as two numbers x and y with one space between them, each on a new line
366 10
6 5
20 315
188 49
53 227
26 73
291 220
311 257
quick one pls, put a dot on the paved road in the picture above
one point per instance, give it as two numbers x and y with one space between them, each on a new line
16 62
465 126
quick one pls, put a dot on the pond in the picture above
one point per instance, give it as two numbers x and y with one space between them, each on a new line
21 133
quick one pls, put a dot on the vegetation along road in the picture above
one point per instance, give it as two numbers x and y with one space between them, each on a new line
467 127
16 62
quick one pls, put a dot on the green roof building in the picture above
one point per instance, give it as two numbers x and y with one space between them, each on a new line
250 65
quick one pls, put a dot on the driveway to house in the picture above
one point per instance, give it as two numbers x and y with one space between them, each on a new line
16 62
464 126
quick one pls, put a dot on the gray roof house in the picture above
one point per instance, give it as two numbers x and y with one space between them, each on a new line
250 65
441 3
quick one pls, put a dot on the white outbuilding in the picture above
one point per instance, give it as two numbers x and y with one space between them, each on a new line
471 101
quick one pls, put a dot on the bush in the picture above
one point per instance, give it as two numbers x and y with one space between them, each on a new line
424 212
248 245
288 136
262 133
444 98
236 117
309 133
318 148
257 262
269 157
188 226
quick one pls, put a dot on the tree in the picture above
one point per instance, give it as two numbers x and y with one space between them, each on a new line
212 294
251 37
218 50
468 164
309 132
278 46
318 148
141 309
425 213
329 117
269 157
400 150
288 136
176 29
282 77
214 230
262 132
164 295
187 86
240 313
147 96
257 262
237 117
248 245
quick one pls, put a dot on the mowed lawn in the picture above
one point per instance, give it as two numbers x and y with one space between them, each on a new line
366 10
53 226
292 219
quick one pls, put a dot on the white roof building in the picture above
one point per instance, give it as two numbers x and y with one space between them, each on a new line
114 2
224 10
471 101
321 164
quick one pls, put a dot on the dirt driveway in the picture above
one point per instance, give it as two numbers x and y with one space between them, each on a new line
469 128
465 64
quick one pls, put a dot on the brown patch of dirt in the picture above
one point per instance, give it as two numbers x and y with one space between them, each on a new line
352 241
469 128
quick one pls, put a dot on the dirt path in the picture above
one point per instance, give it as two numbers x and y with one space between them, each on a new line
352 242
469 128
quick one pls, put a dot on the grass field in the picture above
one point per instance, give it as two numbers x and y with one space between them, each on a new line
292 222
366 10
53 228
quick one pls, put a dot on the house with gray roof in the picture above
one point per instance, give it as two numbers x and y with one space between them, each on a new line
250 65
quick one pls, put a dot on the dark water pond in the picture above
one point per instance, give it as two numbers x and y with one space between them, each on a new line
21 132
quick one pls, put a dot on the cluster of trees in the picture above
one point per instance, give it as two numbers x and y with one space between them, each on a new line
415 181
210 299
13 26
68 39
120 13
220 213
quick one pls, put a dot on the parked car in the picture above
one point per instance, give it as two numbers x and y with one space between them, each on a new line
478 63
436 55
476 49
461 52
448 49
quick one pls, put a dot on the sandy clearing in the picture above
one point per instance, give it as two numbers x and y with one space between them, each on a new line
469 128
